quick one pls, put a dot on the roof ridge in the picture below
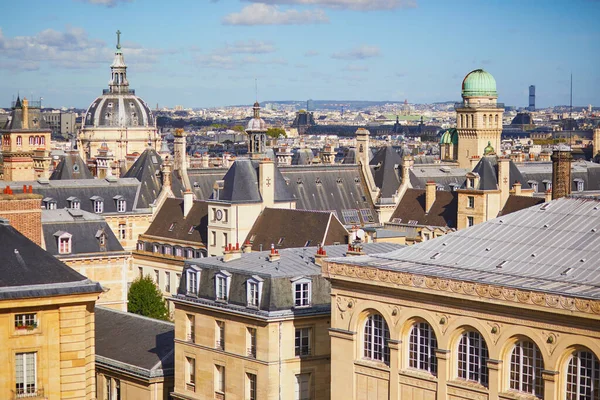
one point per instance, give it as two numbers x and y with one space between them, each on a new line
135 315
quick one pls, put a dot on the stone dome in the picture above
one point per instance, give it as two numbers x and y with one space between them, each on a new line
479 83
118 110
256 124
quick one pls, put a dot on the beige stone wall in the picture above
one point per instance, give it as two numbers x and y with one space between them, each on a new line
63 342
275 365
132 388
486 206
136 225
501 317
476 127
120 141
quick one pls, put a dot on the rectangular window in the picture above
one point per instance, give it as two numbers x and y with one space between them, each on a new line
192 282
225 215
219 381
26 321
178 276
221 288
108 394
64 245
122 231
302 342
302 391
178 251
98 206
253 294
470 221
157 277
470 202
26 371
167 282
167 250
302 294
250 386
225 241
191 328
117 389
471 183
76 204
251 340
190 374
220 335
121 205
141 272
189 253
213 241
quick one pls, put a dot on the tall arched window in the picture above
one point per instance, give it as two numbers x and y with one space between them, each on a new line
496 121
485 120
472 358
472 121
526 365
30 140
42 140
377 336
423 343
19 140
583 376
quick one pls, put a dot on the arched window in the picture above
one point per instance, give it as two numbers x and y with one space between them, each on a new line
583 376
496 121
19 140
461 121
472 358
31 140
526 365
472 121
42 140
377 336
423 343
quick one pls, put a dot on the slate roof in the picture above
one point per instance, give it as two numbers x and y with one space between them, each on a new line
140 345
487 168
339 188
146 169
85 228
539 172
240 184
203 180
277 276
84 190
27 270
443 175
303 157
516 203
412 208
71 166
285 228
385 169
170 224
552 248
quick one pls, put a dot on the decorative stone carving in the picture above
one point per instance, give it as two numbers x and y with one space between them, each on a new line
444 321
551 341
495 331
344 304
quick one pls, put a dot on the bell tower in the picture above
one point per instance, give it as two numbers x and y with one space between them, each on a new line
478 117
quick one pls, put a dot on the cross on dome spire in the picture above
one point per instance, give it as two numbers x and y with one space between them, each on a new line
118 39
118 71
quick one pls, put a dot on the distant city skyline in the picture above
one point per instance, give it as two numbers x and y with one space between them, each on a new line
209 53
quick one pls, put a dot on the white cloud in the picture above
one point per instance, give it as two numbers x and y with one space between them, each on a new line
361 5
247 47
215 61
106 3
311 53
265 14
358 53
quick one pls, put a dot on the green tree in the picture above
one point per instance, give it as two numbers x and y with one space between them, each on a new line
238 128
146 299
276 132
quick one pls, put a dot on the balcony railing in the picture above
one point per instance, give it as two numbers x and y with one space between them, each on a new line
29 393
476 105
302 351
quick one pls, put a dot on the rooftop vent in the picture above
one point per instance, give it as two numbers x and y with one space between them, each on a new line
112 179
545 206
566 271
435 256
43 181
499 266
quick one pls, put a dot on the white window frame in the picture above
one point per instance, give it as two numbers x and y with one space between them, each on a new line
69 243
303 341
121 205
470 221
222 285
219 379
168 281
298 290
29 383
190 373
98 206
122 231
220 335
520 363
250 386
190 328
251 333
192 280
472 358
254 286
422 346
26 319
470 201
302 387
582 378
376 337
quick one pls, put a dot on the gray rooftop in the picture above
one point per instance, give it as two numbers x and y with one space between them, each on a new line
554 247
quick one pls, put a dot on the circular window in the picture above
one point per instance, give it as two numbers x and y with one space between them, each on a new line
75 168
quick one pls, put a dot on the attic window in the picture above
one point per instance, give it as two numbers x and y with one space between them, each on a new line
50 203
413 222
350 217
172 227
471 182
396 220
499 266
367 215
63 242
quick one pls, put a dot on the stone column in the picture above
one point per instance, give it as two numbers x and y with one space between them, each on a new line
394 368
550 384
442 373
494 381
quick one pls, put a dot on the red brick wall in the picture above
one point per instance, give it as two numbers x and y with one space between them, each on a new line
24 212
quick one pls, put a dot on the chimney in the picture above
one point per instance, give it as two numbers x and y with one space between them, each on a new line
266 181
561 172
247 247
232 252
179 151
362 146
205 160
430 189
354 249
517 188
25 108
166 174
407 164
321 254
274 256
596 149
548 195
503 179
188 202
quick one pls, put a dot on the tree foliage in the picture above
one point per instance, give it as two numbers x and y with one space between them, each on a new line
276 132
146 299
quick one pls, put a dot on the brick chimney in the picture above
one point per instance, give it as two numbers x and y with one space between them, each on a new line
321 254
25 108
232 252
274 256
561 172
24 212
430 188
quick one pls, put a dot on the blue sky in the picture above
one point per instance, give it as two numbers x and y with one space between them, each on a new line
203 53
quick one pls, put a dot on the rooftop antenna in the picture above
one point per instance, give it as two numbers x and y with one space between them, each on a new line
571 101
256 89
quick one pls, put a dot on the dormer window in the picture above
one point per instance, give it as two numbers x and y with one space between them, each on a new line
579 183
222 285
74 202
302 291
98 204
121 203
63 242
470 183
254 291
548 184
192 283
49 203
534 185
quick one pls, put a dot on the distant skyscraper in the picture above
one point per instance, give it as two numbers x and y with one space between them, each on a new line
310 105
531 98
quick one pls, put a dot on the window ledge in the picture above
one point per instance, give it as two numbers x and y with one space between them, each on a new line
365 362
466 384
518 396
419 373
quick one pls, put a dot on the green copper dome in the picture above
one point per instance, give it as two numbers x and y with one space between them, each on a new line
450 136
488 149
479 83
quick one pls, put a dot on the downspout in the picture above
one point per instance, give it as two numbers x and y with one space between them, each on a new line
280 323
